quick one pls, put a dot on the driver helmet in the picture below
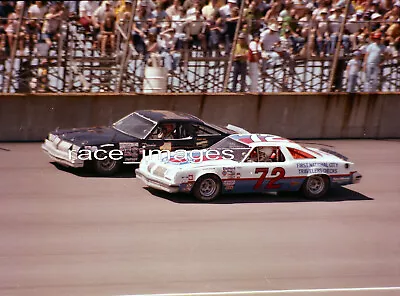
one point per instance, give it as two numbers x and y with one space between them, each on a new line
253 155
264 153
168 128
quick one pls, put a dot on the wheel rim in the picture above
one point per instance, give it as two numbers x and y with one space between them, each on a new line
208 187
108 164
315 184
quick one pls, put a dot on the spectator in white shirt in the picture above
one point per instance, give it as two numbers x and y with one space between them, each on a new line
226 10
352 71
173 10
195 28
37 10
210 10
86 10
254 62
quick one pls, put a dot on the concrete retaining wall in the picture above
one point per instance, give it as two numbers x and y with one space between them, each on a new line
295 115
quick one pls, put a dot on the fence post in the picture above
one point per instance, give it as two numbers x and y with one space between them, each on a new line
337 49
229 68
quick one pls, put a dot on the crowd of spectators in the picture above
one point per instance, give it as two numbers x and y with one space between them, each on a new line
162 29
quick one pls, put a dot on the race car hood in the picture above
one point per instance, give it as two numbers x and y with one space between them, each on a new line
93 136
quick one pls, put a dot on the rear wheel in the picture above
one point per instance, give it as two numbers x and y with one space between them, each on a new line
207 188
315 187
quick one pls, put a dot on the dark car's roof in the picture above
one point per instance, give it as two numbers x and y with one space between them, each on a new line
164 115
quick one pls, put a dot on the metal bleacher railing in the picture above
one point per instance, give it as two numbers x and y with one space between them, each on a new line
72 64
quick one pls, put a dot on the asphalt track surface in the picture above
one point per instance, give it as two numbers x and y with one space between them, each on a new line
66 232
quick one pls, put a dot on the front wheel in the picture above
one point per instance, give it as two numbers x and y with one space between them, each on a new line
207 188
315 187
107 167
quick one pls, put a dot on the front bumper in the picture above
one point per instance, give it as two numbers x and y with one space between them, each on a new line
156 183
61 154
356 177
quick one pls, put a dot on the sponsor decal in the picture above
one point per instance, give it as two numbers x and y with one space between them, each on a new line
317 167
190 178
186 187
228 172
130 151
341 179
229 184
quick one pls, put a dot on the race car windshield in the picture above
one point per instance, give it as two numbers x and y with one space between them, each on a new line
238 150
134 125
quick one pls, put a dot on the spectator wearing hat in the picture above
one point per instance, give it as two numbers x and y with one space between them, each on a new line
254 57
240 55
226 10
269 37
268 40
352 71
372 62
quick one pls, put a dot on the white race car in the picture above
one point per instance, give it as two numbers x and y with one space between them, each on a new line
245 163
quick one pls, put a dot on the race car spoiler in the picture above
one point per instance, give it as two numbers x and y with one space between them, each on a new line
236 129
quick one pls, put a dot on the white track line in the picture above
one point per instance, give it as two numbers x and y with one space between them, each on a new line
274 292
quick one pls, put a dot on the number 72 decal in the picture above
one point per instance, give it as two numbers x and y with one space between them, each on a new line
278 174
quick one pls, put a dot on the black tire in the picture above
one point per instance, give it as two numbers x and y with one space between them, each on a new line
315 187
207 188
106 167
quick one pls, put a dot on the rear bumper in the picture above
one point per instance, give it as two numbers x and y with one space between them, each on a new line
155 183
64 157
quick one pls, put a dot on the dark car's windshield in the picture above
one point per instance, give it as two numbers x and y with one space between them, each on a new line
231 147
134 125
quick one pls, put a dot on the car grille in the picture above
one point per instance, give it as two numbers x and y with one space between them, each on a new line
159 171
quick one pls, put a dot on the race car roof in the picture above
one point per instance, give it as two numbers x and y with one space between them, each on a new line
259 139
165 115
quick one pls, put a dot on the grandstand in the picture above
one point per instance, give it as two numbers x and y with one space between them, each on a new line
106 46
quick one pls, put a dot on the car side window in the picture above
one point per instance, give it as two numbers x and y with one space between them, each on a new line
266 154
165 131
203 130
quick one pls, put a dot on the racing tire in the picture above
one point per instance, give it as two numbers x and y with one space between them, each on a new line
207 188
106 167
315 187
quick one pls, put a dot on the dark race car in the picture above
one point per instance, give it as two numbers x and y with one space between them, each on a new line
107 148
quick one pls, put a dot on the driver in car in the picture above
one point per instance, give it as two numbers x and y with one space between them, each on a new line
263 154
167 130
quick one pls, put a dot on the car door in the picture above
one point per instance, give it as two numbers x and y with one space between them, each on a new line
266 174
